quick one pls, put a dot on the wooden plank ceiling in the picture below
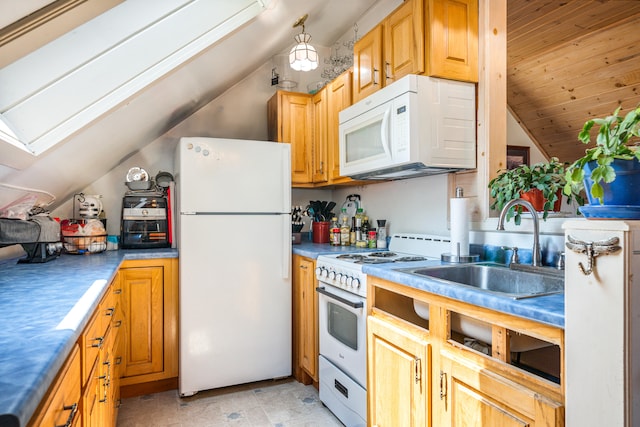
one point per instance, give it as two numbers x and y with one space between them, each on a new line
569 61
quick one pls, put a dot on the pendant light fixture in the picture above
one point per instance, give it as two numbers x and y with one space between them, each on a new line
303 56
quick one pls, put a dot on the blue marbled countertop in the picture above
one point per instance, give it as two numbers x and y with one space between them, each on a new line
547 309
43 309
312 250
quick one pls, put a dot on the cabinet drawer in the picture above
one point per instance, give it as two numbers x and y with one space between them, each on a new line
62 406
92 342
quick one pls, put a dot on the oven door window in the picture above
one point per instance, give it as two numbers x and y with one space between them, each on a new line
343 325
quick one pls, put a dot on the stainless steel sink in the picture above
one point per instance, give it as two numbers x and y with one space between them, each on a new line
496 278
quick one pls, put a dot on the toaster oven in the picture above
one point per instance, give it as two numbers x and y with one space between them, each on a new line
144 222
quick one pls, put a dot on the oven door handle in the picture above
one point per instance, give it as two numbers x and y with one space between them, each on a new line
323 291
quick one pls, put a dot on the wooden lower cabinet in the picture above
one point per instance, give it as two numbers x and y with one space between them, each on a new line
305 320
398 379
150 316
140 304
63 405
474 396
420 372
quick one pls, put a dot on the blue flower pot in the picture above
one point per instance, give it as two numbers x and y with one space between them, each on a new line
621 197
624 190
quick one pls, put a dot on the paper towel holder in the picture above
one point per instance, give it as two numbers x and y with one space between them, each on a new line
457 258
449 257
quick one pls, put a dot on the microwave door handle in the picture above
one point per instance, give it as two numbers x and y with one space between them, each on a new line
384 132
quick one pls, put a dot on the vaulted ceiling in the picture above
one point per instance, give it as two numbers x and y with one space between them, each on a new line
569 61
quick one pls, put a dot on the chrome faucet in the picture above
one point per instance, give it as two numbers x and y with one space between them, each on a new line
536 257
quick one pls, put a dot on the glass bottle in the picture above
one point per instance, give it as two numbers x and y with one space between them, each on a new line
365 227
352 233
345 230
334 232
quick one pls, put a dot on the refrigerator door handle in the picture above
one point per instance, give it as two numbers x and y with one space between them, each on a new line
286 247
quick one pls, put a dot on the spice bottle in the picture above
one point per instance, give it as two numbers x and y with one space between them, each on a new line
382 234
372 240
334 232
345 230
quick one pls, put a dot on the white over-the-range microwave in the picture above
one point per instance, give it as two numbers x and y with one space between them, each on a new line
416 126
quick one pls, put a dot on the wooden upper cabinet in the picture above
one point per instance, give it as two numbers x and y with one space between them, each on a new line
390 51
320 172
339 98
452 47
404 41
290 117
367 63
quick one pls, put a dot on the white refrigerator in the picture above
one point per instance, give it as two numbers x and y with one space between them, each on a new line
234 240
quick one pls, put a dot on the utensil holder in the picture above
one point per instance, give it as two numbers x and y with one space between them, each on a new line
320 231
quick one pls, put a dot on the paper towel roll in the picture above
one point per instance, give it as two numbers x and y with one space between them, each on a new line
459 210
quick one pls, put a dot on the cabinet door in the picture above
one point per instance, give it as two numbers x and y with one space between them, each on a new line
452 50
367 63
398 364
339 98
309 321
404 41
290 117
305 334
320 124
471 395
142 303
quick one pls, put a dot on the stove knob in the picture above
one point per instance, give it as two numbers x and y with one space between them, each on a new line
324 272
343 279
319 271
356 283
350 281
332 275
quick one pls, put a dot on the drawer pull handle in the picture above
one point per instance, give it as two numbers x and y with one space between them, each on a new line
99 343
118 323
117 291
443 385
74 409
110 311
118 360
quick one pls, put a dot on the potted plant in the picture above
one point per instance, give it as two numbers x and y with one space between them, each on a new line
613 158
541 184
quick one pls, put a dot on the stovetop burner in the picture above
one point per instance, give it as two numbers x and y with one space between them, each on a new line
373 261
410 259
385 254
355 257
379 257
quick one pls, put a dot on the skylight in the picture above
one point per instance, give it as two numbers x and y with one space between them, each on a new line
53 92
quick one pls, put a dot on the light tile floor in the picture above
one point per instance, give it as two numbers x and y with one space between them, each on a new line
283 403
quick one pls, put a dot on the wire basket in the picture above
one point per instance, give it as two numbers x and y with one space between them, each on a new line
81 245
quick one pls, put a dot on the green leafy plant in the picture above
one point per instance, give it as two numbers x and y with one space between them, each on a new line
548 177
611 142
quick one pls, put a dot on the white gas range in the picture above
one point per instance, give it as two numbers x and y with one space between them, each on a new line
342 289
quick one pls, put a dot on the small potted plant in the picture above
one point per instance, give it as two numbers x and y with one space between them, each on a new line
541 184
613 158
